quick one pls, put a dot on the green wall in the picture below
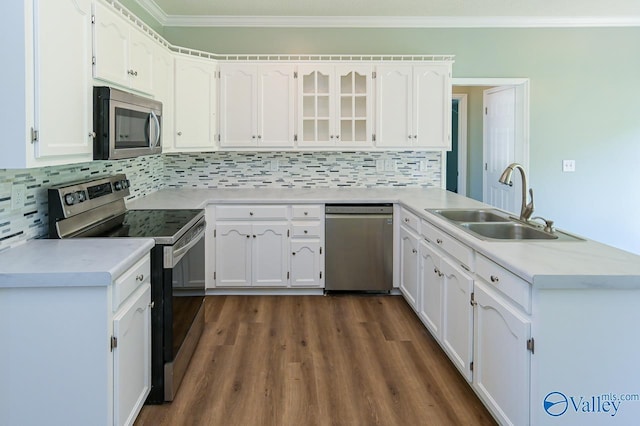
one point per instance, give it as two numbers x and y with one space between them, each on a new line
579 80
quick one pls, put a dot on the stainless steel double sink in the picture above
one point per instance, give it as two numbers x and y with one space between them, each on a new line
491 224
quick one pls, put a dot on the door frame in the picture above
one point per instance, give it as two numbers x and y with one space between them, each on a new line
522 86
462 142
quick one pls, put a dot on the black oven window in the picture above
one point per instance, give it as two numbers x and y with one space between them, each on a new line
132 129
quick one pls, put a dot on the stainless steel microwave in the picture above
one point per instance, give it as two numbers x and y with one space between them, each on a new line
125 125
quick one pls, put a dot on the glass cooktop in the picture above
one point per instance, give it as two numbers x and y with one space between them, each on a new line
165 226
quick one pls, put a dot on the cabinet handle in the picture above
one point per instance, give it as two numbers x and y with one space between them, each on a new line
406 219
439 241
414 251
253 137
92 135
306 213
494 279
179 133
259 136
248 236
435 271
415 136
409 137
293 254
250 213
306 232
152 305
254 236
140 277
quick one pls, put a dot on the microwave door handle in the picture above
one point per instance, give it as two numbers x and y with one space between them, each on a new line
155 119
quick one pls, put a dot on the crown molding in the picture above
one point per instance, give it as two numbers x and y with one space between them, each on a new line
386 21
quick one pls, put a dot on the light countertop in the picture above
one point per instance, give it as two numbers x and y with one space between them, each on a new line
545 264
69 263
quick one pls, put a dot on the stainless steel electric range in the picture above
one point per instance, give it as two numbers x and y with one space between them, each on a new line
96 208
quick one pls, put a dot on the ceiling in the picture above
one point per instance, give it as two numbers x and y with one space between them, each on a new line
394 12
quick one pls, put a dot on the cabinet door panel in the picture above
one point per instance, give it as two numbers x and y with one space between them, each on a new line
111 46
163 76
316 104
430 305
432 106
409 266
63 74
457 326
195 114
305 263
132 356
276 102
394 106
233 254
353 86
270 254
141 61
501 359
238 103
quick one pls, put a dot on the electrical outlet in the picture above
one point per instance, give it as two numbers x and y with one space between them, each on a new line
568 165
18 196
390 165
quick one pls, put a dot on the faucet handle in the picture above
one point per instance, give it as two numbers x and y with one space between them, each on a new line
528 209
548 224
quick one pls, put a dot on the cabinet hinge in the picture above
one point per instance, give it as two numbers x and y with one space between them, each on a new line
93 60
295 74
471 366
295 138
93 19
465 267
214 233
373 74
320 274
473 299
320 250
113 343
486 110
531 345
373 137
287 233
34 135
288 274
219 137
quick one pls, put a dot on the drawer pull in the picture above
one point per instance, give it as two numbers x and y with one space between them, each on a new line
306 213
293 253
250 213
495 279
140 277
152 305
439 241
306 232
414 251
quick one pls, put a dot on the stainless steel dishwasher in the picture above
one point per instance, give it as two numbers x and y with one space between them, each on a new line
359 247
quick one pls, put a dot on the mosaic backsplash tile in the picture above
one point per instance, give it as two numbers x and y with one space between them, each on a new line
213 170
302 169
31 221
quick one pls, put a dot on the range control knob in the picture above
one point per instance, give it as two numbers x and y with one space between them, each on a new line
118 185
70 199
81 196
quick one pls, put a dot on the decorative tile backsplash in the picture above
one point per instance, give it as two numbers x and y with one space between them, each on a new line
31 220
213 170
302 169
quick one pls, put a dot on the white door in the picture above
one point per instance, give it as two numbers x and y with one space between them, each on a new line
501 359
270 254
305 263
500 148
457 326
233 254
430 305
195 112
409 266
275 105
132 356
238 104
63 74
394 105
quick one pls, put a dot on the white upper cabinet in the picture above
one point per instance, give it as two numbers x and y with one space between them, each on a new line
334 105
123 55
257 105
38 74
163 83
195 105
413 106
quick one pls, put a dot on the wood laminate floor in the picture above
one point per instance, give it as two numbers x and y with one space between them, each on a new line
314 360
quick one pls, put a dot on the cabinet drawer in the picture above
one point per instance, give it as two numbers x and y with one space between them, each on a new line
128 282
306 229
409 220
512 286
251 212
310 211
449 244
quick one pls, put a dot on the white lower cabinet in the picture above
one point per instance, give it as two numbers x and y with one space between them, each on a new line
409 266
457 325
431 289
501 375
267 246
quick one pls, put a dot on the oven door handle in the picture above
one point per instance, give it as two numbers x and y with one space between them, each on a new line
172 257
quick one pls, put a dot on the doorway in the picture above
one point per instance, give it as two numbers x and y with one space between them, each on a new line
478 151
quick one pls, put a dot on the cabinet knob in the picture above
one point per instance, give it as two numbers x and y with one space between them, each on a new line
179 133
254 236
259 136
92 135
306 213
435 271
250 213
495 279
140 277
152 305
306 232
293 254
253 137
439 241
406 219
414 251
248 236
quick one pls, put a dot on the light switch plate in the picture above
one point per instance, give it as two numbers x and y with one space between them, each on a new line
568 165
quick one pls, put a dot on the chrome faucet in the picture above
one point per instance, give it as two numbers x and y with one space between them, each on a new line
505 178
